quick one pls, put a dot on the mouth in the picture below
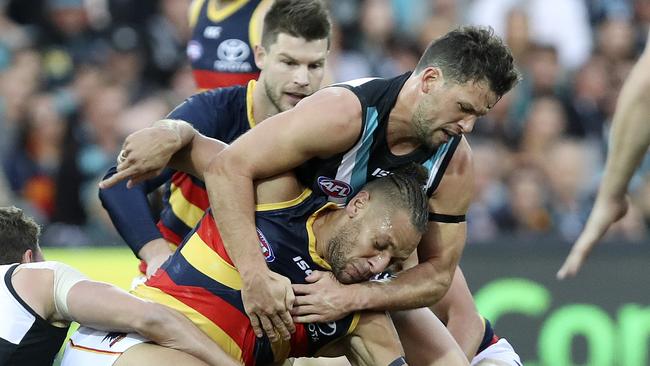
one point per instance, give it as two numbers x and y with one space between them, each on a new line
295 97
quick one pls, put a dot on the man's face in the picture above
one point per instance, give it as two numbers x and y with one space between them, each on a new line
447 109
292 68
370 243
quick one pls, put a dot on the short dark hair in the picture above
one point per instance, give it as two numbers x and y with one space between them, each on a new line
472 53
18 232
308 19
404 189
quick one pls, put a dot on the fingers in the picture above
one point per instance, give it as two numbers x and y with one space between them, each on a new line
301 289
314 276
311 318
114 179
255 323
267 325
280 325
304 310
288 322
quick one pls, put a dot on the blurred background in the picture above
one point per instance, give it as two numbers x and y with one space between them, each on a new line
77 76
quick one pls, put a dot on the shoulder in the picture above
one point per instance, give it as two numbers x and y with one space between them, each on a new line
454 194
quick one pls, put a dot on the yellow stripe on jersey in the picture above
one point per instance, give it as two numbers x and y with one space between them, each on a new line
257 22
249 102
208 327
186 211
217 15
207 261
355 322
312 238
286 204
193 12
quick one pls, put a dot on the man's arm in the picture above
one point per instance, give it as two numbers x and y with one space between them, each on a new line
321 125
422 285
629 141
103 306
458 312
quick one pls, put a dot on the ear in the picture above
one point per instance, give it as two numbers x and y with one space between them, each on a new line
431 78
259 53
28 256
357 204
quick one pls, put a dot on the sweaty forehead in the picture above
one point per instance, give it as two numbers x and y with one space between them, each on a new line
478 93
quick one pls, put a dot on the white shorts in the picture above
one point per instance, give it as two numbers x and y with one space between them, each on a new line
89 346
502 351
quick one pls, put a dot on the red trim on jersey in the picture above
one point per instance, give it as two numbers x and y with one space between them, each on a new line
299 342
205 79
193 193
220 312
495 339
209 233
168 234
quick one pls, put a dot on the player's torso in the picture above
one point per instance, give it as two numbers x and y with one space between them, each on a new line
341 176
185 199
221 48
25 337
200 280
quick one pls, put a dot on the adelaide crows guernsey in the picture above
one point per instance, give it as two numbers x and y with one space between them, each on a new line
223 36
26 339
201 281
341 176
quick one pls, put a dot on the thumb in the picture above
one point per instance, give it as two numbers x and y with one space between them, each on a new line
314 276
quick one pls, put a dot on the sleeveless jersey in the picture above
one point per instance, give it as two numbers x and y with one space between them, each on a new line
26 339
221 48
341 176
201 281
224 114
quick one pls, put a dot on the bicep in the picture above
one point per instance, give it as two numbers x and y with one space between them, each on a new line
323 124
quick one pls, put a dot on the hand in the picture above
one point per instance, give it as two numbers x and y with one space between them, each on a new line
267 301
323 300
144 155
603 215
155 253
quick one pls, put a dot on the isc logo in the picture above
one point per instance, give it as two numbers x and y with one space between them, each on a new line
303 265
212 32
379 172
266 247
333 187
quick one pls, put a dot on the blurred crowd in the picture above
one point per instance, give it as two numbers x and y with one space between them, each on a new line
77 76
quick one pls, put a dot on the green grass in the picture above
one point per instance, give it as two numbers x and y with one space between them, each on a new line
113 265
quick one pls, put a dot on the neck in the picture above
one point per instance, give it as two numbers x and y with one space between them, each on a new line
324 229
400 136
263 108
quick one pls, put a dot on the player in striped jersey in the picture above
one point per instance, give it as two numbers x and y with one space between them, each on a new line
294 45
38 300
379 228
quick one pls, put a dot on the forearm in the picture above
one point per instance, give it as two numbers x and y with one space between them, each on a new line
630 134
171 329
233 205
181 130
129 211
467 331
196 156
416 287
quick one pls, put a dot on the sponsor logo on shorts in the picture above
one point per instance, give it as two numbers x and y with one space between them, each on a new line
334 188
317 329
266 247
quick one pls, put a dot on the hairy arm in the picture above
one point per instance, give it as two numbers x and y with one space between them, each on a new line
438 252
629 141
457 310
321 125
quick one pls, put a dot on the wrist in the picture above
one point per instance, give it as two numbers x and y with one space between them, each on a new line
360 300
154 248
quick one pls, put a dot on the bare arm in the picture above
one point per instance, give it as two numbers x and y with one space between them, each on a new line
324 299
629 141
323 124
457 310
103 306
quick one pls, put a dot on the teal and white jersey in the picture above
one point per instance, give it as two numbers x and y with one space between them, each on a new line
343 174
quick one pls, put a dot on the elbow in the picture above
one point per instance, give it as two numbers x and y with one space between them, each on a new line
438 288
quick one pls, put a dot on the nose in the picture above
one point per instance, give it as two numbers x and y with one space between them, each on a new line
301 76
379 263
467 123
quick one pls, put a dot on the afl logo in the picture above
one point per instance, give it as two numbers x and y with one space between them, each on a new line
334 188
266 247
233 50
